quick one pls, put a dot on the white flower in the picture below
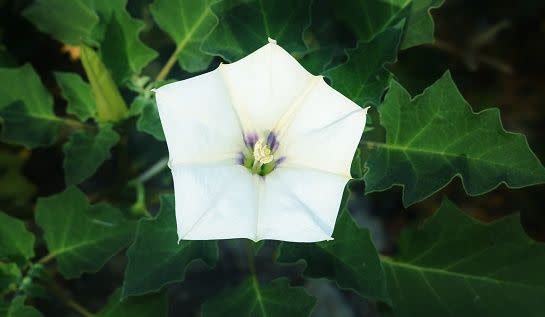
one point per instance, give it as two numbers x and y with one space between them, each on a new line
259 149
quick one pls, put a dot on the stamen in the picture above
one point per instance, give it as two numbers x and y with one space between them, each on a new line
262 152
258 156
250 139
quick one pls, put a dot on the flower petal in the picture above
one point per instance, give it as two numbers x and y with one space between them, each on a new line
199 122
299 205
214 201
264 85
324 132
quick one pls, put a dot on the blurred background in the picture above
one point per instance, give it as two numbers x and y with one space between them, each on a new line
494 49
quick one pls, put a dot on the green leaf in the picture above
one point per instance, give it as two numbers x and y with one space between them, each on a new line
80 236
149 121
325 38
356 169
121 49
85 152
244 26
26 108
156 258
109 103
17 308
436 137
456 266
78 94
16 242
10 276
363 77
276 298
420 24
144 306
106 24
351 259
14 186
187 23
67 21
22 83
20 126
367 18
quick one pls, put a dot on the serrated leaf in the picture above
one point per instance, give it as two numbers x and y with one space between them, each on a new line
17 308
356 168
78 94
456 266
367 18
81 237
187 23
86 151
22 83
436 137
156 259
67 21
364 78
30 129
110 105
16 242
325 38
106 24
149 121
244 26
26 108
121 49
143 306
420 26
10 275
351 259
276 298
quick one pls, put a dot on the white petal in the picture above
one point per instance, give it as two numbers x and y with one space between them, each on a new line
324 133
264 85
199 122
299 205
215 201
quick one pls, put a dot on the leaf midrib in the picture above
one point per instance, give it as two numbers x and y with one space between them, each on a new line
181 46
430 270
406 149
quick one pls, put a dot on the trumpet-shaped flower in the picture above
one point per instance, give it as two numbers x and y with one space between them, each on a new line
259 149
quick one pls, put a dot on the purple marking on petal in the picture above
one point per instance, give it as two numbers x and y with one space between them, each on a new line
240 158
280 160
272 142
250 139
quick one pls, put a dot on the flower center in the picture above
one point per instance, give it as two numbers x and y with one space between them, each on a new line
258 157
262 152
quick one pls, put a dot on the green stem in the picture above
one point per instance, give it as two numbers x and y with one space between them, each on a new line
77 124
155 169
58 291
78 308
163 73
47 258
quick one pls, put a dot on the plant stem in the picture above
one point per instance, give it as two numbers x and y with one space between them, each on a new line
77 307
58 291
75 124
155 169
168 66
47 258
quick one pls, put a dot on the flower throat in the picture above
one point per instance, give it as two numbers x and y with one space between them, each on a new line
259 155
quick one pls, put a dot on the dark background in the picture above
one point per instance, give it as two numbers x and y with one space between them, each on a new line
494 49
